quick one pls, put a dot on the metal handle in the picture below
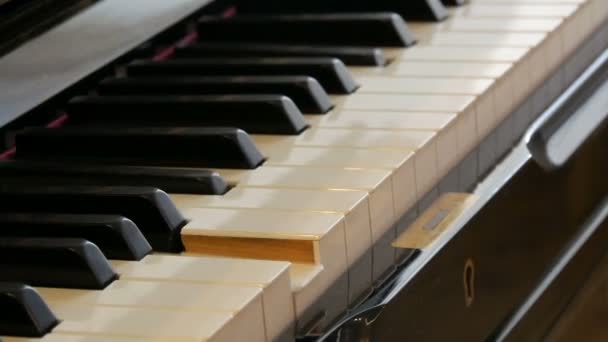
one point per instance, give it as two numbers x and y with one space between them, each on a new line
572 118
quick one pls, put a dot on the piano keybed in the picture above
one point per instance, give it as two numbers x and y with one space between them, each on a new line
304 237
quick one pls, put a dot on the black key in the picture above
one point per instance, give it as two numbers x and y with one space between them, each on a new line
190 181
23 312
69 263
267 114
454 2
425 10
363 56
330 72
116 236
149 208
432 10
346 29
306 92
205 147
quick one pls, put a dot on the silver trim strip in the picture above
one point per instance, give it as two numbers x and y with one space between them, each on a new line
572 118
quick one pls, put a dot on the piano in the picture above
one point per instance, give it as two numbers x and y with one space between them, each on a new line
196 170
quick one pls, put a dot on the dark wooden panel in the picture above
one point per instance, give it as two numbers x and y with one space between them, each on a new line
585 317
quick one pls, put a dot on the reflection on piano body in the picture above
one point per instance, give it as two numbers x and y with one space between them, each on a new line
323 170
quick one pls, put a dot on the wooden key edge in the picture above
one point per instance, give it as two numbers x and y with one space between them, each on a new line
436 219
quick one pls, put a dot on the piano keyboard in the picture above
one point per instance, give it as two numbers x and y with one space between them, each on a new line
291 221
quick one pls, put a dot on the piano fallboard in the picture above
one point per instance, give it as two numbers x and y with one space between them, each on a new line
80 46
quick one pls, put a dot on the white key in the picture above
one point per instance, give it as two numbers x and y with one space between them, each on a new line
376 182
59 337
336 157
401 125
160 295
400 162
403 102
420 85
244 304
410 103
405 141
353 205
303 237
152 324
350 138
517 10
265 234
382 199
433 34
476 24
272 277
433 69
470 54
394 121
